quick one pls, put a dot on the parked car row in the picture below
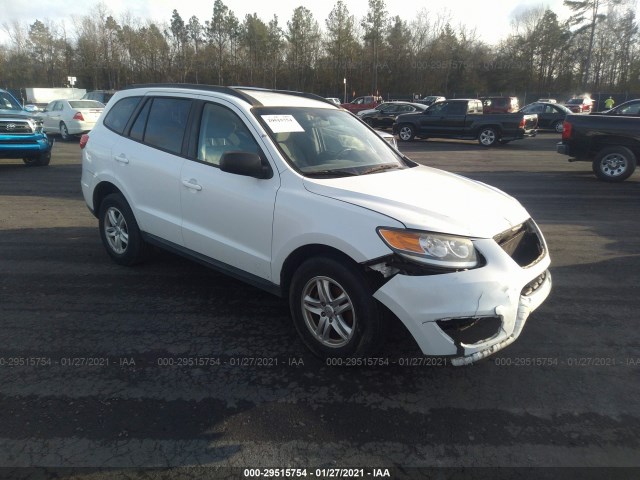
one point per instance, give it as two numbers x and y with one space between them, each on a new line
465 119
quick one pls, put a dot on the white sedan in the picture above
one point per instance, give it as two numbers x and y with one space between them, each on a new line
71 117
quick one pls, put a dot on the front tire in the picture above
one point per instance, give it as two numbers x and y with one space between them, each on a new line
119 231
333 309
614 164
406 133
488 137
41 160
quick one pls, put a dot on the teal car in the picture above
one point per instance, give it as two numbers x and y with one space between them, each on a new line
21 133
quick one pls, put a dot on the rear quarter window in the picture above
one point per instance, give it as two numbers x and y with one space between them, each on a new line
119 115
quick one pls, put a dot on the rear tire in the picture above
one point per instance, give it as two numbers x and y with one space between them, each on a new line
119 231
488 137
333 309
64 132
557 126
614 164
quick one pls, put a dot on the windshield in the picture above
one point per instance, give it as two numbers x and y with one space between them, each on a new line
327 142
7 102
575 101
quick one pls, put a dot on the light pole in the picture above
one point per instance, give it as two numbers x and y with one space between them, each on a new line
345 89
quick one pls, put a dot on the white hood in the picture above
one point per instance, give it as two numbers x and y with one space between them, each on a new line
426 198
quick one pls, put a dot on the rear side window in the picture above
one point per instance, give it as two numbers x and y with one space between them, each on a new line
456 108
167 123
118 116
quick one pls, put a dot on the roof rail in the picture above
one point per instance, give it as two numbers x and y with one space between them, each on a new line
198 86
311 96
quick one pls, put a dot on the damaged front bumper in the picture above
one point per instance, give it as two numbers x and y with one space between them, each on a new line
469 315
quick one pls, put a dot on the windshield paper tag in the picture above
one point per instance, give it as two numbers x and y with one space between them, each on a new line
282 123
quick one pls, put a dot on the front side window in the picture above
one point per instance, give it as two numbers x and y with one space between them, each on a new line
440 107
327 142
221 130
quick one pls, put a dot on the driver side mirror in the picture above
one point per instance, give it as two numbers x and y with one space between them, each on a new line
248 164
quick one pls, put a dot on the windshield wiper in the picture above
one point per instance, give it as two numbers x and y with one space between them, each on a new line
380 168
330 173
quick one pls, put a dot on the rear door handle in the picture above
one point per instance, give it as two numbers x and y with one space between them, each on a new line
122 158
192 184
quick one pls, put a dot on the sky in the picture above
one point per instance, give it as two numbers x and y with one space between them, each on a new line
492 21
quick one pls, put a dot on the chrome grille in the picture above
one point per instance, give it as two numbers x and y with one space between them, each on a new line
15 127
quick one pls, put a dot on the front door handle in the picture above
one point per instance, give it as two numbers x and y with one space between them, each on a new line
192 184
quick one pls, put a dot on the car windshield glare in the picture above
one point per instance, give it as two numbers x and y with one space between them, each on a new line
321 141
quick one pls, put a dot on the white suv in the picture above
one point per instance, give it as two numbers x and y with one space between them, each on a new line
297 196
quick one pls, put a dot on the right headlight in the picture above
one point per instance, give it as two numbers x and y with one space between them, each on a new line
435 249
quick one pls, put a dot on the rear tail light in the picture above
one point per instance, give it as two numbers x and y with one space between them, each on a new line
523 123
78 116
566 130
84 139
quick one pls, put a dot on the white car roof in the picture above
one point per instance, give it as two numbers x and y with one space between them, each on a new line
246 95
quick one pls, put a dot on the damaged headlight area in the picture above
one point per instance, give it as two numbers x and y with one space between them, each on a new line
432 249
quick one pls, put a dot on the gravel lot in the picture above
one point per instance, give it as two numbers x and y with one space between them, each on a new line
172 365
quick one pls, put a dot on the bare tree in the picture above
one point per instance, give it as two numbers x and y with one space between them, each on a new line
375 26
587 15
